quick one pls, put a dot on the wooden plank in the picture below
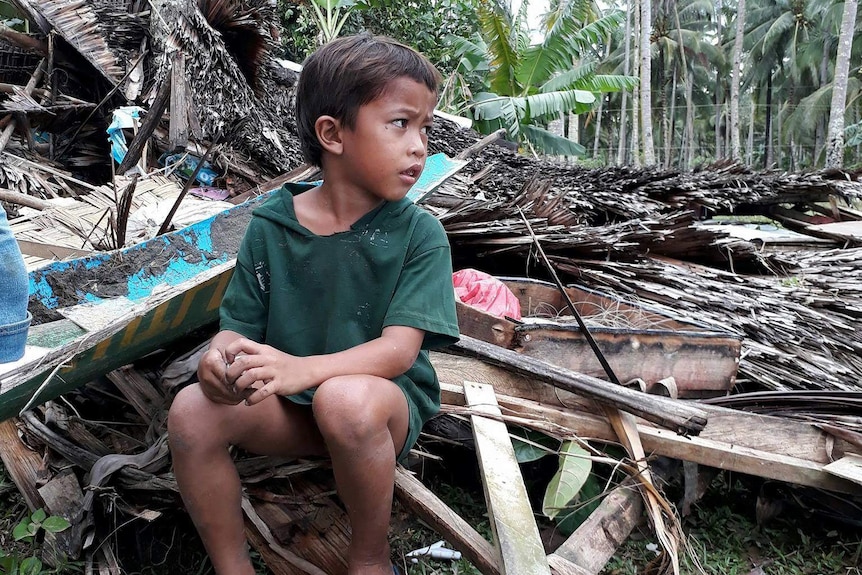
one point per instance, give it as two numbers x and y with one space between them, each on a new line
63 497
24 466
151 120
778 435
848 467
711 452
851 231
509 509
178 130
453 369
143 395
642 343
596 540
422 502
50 251
561 566
660 410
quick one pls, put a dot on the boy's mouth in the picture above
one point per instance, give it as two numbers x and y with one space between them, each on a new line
412 172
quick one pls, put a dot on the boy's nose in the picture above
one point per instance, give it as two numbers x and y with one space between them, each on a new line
417 146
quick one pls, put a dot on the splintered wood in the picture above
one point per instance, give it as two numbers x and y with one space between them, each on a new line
509 508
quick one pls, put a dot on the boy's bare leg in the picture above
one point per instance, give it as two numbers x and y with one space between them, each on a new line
364 422
200 433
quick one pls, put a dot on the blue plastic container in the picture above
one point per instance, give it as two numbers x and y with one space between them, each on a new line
14 317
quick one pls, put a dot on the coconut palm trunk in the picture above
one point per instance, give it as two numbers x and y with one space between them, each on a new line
835 138
621 150
734 82
646 81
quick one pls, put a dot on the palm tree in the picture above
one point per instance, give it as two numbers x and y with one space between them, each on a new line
646 83
778 34
521 86
734 81
835 138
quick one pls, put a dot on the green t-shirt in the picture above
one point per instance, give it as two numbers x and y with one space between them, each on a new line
311 295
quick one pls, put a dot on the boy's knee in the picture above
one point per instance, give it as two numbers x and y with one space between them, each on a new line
189 418
341 411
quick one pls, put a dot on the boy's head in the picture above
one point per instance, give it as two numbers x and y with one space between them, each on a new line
348 73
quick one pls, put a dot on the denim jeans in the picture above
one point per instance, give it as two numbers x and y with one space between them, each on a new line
14 317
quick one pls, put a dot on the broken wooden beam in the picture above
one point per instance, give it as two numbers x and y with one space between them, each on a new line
178 129
148 126
509 509
421 501
596 540
28 90
668 413
24 466
713 452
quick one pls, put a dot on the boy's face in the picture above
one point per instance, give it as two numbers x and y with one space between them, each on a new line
386 149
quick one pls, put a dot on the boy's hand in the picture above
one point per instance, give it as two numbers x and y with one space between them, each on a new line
212 375
258 371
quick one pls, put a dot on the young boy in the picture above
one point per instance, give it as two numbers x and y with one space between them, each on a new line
338 292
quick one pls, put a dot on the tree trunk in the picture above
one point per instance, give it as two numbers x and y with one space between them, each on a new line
688 150
734 82
719 100
779 147
646 82
668 137
598 129
636 101
767 144
835 137
749 152
621 150
820 128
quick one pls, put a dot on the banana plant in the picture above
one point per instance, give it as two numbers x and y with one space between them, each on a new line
521 85
330 17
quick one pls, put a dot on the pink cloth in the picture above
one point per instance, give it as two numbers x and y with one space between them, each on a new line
487 293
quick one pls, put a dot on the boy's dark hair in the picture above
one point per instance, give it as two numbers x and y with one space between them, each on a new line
350 72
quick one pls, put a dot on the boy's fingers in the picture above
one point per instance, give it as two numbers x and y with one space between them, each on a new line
260 394
242 364
241 345
249 376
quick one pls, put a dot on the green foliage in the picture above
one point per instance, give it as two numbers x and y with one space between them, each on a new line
30 526
330 17
9 16
574 470
853 135
531 445
27 531
422 24
506 81
579 509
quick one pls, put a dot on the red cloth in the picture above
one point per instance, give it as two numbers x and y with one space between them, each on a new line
487 293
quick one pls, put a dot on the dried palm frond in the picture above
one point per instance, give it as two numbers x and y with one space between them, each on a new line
77 22
219 90
246 35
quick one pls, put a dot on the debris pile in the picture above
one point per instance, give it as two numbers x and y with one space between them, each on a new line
735 340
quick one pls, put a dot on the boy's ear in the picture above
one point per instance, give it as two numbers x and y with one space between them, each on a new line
328 131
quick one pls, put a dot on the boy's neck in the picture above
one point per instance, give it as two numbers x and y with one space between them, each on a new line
332 207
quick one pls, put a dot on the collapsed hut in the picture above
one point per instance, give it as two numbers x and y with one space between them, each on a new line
768 311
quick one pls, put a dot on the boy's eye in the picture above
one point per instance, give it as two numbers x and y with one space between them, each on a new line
401 122
427 130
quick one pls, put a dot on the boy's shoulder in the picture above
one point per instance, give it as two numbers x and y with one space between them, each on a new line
278 208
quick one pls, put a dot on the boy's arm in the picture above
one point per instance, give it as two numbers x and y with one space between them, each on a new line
388 356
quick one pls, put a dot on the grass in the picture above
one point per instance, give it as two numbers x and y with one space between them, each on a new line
724 535
722 531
